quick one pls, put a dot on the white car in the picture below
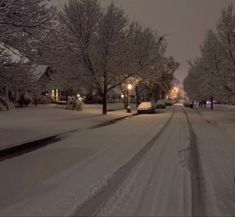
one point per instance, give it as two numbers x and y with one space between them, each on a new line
146 107
161 104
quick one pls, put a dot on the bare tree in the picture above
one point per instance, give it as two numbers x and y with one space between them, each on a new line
22 25
226 37
163 75
99 47
193 81
214 71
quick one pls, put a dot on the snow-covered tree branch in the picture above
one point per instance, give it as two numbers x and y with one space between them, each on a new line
22 25
213 74
100 47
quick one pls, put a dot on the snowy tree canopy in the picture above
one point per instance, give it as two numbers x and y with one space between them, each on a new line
213 73
23 23
99 47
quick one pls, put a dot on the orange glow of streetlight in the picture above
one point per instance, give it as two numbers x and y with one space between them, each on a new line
176 89
129 86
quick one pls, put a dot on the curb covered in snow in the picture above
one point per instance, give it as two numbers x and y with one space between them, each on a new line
24 148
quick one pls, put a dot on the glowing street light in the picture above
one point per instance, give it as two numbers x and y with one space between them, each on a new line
176 89
129 87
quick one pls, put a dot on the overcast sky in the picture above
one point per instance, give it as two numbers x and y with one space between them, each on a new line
184 21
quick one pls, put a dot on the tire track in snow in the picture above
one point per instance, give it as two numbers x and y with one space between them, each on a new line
171 194
197 179
92 206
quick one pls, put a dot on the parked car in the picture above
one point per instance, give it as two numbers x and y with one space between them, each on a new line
161 104
169 102
188 104
146 107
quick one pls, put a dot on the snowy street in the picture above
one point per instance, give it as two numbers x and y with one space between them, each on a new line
172 163
117 108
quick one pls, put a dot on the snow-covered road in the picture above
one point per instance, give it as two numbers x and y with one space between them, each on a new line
174 163
160 184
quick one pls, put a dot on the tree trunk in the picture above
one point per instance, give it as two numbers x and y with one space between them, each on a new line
230 100
104 104
104 95
6 92
212 103
125 99
137 96
192 105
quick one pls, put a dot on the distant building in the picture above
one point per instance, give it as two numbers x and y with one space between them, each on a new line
114 95
46 91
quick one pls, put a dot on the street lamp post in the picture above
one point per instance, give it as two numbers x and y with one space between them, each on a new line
129 88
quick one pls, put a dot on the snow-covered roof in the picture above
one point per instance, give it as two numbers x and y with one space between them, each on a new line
38 71
12 54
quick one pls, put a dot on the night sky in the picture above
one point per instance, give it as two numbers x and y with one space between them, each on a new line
184 21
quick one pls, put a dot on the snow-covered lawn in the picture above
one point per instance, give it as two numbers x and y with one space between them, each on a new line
215 140
28 124
223 116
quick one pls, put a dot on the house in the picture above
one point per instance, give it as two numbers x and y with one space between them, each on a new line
48 92
44 84
114 95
